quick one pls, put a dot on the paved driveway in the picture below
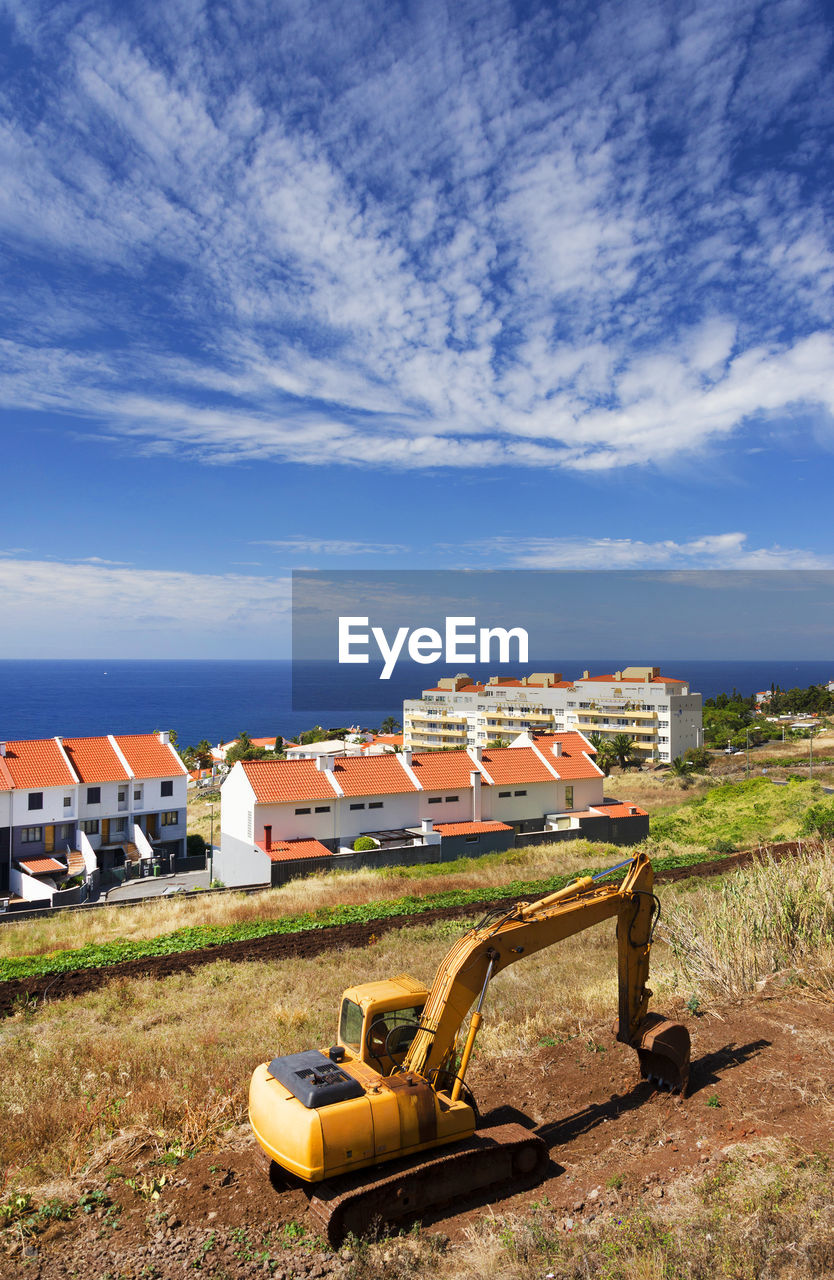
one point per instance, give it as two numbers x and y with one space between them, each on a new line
155 886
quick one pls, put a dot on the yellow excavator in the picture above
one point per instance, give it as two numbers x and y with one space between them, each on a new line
393 1086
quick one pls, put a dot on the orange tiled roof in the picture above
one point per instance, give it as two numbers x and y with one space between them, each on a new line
94 760
38 866
469 828
286 781
294 850
6 783
612 679
147 756
573 760
616 809
36 763
510 765
371 775
443 770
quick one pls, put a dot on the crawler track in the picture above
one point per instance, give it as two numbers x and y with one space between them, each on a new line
15 993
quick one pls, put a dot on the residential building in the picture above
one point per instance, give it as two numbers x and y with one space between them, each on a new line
660 714
281 817
79 807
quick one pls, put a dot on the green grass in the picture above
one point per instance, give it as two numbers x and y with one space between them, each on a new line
738 813
102 955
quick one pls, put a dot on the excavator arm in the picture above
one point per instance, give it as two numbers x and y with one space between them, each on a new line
498 942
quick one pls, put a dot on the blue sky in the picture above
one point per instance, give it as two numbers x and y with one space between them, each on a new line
403 286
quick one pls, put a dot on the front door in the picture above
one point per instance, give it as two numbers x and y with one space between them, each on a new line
105 831
150 826
49 839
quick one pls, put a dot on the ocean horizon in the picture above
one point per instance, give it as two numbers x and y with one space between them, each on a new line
218 698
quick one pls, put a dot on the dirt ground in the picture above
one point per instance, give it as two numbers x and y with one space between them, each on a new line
616 1144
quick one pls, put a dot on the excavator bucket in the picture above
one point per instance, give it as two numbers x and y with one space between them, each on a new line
663 1048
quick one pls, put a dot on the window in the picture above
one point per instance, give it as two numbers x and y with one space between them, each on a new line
452 799
90 827
375 804
167 787
137 793
472 839
94 795
302 810
67 802
64 832
502 795
122 795
117 826
249 824
350 1025
35 799
358 806
322 808
520 793
568 797
171 818
435 799
31 835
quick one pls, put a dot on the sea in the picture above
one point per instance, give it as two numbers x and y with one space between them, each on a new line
217 699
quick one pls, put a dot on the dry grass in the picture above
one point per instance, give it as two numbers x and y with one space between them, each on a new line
167 1063
75 929
766 920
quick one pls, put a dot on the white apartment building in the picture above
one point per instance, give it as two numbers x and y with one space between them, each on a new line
660 714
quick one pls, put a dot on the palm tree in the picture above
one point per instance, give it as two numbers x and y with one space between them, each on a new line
622 747
680 768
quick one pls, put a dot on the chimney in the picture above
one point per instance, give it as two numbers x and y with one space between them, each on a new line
585 675
322 763
557 748
2 748
477 753
406 755
164 737
427 826
268 837
475 783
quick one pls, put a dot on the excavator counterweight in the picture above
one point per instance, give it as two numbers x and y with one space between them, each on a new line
362 1121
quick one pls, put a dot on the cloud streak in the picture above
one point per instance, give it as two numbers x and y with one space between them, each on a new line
461 240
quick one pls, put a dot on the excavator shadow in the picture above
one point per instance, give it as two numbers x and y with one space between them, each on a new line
712 1067
707 1070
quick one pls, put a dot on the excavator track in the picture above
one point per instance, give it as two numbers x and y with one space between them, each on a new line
355 1204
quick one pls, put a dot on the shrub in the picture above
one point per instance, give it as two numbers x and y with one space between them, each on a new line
818 819
195 846
362 843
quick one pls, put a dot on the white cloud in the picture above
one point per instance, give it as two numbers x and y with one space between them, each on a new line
711 551
330 546
77 609
574 241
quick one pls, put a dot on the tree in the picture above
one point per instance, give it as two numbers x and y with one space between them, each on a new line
498 742
622 746
818 819
390 725
202 754
363 843
680 767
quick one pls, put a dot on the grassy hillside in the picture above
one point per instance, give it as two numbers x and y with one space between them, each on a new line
738 814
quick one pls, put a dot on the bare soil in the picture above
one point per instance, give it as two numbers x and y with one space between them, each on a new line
762 1069
312 942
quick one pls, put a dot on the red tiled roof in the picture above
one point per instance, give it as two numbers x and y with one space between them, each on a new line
442 770
372 775
383 739
613 679
294 850
6 783
94 760
469 828
36 763
510 765
38 866
286 781
147 756
572 762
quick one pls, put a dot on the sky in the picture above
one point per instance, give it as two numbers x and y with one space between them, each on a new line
403 286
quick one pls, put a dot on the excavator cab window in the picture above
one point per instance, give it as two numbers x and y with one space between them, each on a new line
350 1026
392 1031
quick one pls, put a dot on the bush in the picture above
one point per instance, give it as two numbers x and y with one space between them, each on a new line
362 843
818 820
195 846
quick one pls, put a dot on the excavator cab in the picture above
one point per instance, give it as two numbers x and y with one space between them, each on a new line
379 1020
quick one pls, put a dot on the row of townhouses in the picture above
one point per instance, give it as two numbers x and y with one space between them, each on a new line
660 714
72 808
281 818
